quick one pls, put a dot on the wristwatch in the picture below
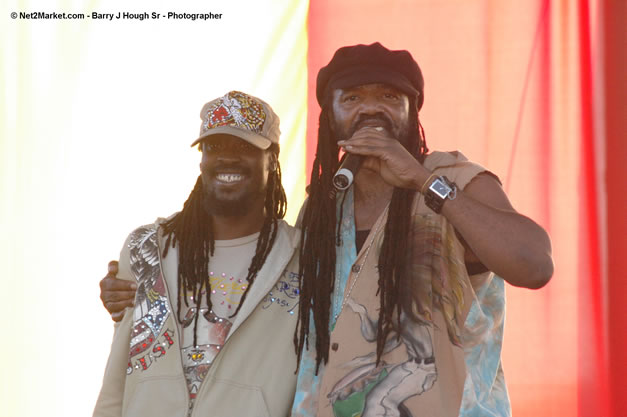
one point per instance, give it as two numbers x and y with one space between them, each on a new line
438 191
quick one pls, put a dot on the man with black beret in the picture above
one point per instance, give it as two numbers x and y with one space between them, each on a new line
401 313
402 274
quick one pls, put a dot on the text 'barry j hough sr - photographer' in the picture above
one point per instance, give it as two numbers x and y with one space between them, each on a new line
155 16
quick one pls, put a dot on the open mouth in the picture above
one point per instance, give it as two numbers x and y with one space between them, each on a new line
378 128
229 177
378 123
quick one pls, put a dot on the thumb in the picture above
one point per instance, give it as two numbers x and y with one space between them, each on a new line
113 268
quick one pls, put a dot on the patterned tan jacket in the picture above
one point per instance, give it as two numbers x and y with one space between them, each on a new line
254 373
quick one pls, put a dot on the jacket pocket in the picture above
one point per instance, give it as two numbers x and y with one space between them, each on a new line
157 397
226 398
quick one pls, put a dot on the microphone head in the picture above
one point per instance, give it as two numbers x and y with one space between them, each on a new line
343 179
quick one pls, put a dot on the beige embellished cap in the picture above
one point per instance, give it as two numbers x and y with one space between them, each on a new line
241 115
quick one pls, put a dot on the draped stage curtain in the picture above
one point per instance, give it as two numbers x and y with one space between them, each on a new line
534 91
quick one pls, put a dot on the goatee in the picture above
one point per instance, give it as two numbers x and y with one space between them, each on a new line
228 208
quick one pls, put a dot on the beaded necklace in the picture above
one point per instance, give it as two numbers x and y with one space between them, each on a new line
346 296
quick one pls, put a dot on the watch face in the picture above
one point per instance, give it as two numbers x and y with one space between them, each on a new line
440 188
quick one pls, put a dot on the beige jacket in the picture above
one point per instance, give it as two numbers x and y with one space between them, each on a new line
254 373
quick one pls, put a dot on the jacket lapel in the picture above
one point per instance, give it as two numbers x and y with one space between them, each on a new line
284 246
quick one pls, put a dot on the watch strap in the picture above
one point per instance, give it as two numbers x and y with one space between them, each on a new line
434 200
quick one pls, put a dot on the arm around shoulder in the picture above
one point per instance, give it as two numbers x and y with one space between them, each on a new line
111 397
117 288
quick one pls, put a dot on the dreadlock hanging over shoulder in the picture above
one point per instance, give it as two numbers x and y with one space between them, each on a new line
192 230
317 248
318 245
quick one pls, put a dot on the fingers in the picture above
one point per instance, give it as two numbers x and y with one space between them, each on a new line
373 133
121 295
116 294
116 317
387 156
368 145
373 137
110 283
118 306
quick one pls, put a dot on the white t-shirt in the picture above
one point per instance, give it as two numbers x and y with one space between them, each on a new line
228 268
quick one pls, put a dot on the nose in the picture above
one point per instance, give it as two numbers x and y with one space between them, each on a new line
228 154
371 105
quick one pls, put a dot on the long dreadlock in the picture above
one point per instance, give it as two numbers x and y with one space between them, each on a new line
317 250
192 229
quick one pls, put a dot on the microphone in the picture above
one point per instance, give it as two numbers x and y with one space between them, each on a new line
345 175
347 171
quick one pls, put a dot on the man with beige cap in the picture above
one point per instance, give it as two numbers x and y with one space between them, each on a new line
217 277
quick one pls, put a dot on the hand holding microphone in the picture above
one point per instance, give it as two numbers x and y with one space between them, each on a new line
345 175
347 171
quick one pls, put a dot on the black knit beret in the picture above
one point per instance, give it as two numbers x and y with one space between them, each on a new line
369 64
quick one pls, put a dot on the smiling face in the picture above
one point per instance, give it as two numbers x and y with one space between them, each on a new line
370 105
234 175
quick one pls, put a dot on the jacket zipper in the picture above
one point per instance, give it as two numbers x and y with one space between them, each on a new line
179 334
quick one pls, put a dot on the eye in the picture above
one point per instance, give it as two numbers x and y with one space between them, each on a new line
350 98
245 147
390 96
239 146
212 147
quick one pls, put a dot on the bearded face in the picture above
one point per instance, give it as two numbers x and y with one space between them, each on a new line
370 105
234 175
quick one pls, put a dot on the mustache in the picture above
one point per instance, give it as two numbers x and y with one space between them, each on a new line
361 121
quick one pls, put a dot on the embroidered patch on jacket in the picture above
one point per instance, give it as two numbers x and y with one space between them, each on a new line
235 109
285 293
148 339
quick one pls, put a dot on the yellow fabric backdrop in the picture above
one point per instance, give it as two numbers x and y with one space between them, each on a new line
96 119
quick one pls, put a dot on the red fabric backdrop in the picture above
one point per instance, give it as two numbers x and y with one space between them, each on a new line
614 179
535 91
